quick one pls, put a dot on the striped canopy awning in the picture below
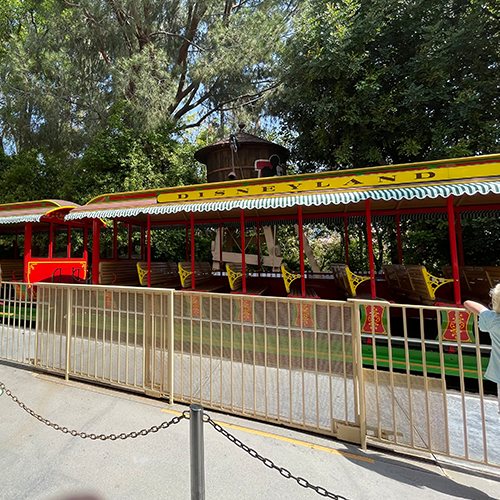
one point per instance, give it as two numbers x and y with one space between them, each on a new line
323 198
32 211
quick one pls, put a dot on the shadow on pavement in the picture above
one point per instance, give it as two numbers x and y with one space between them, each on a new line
420 477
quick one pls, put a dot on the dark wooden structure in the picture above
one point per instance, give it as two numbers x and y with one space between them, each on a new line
233 157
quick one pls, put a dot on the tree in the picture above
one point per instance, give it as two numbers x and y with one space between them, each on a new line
368 82
123 159
68 63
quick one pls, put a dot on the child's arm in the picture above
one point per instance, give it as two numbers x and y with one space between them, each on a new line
474 307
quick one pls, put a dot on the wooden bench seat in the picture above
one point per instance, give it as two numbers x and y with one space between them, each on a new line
296 290
203 277
12 269
235 277
348 282
414 283
163 274
475 281
118 272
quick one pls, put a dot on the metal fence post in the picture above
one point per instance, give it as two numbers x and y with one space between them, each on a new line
37 323
197 452
68 333
357 358
170 345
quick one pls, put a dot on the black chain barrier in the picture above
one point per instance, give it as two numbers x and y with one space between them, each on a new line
269 463
165 425
94 437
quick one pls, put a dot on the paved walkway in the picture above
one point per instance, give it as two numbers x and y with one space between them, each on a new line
39 463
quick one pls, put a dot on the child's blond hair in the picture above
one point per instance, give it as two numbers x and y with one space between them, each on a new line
495 298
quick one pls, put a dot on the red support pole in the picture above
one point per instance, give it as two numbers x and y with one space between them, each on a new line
149 250
221 234
258 247
301 255
453 248
96 250
243 264
346 240
369 237
68 253
193 284
51 240
115 239
86 248
400 246
461 259
28 231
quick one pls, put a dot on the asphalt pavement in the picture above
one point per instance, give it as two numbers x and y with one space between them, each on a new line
38 462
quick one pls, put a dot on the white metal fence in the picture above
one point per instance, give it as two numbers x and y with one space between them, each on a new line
365 371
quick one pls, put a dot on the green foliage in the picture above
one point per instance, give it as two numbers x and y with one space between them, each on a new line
170 245
427 242
121 159
66 65
28 177
367 82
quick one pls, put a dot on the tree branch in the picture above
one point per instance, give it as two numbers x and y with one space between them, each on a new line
254 97
178 35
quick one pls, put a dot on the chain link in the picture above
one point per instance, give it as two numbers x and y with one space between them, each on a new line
269 463
94 437
165 425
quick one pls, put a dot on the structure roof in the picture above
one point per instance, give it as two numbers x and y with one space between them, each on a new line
472 181
32 211
242 139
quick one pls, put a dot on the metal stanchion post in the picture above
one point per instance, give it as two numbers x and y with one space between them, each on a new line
197 452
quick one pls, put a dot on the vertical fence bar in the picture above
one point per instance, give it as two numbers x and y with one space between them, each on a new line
37 321
68 333
357 358
170 345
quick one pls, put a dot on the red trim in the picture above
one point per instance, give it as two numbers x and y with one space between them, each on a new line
86 244
96 250
27 248
243 263
258 246
473 208
51 240
221 234
193 280
453 248
301 254
68 253
149 250
369 237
